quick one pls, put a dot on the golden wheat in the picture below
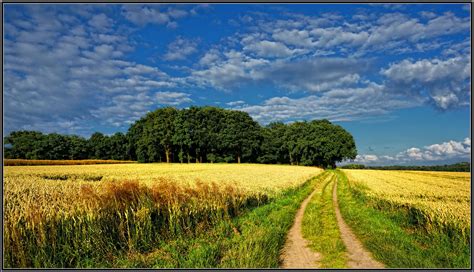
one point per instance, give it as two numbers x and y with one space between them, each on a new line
442 197
16 162
57 215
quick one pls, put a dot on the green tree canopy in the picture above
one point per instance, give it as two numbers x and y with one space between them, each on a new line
201 134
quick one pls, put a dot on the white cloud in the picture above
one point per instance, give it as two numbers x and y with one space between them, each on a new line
270 49
172 98
101 21
180 48
316 74
363 34
152 14
331 37
365 159
233 70
210 57
446 151
428 14
235 103
339 104
310 75
77 62
293 37
445 81
82 77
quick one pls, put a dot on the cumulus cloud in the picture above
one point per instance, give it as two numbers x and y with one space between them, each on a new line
180 48
235 103
270 49
443 152
172 98
230 71
83 77
365 159
445 81
318 74
152 14
339 104
363 34
293 37
210 57
79 62
101 21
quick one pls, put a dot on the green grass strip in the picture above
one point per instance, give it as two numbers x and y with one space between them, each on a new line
252 240
320 226
392 240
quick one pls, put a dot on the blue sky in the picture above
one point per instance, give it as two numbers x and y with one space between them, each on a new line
396 76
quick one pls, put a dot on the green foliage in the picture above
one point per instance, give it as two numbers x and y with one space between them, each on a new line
196 134
353 166
318 143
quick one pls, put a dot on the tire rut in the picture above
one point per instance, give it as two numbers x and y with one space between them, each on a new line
296 252
358 256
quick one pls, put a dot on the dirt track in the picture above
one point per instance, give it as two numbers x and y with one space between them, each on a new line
296 253
358 256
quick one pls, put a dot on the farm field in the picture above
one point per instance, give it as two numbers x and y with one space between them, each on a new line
59 216
248 177
22 162
410 218
442 199
230 215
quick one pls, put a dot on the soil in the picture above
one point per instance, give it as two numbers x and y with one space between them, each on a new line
358 256
296 253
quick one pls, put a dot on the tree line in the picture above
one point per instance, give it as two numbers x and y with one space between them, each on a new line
195 134
456 167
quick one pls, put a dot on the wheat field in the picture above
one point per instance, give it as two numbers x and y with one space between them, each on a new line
57 216
442 199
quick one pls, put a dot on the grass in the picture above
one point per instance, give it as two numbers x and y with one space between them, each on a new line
394 238
252 240
320 226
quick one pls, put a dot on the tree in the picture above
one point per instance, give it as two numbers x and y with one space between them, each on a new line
240 135
22 144
133 135
118 146
163 126
98 144
293 139
207 133
79 149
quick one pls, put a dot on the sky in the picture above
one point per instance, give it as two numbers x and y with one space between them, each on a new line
396 76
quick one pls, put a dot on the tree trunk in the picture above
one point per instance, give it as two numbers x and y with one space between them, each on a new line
238 158
188 157
200 159
167 152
